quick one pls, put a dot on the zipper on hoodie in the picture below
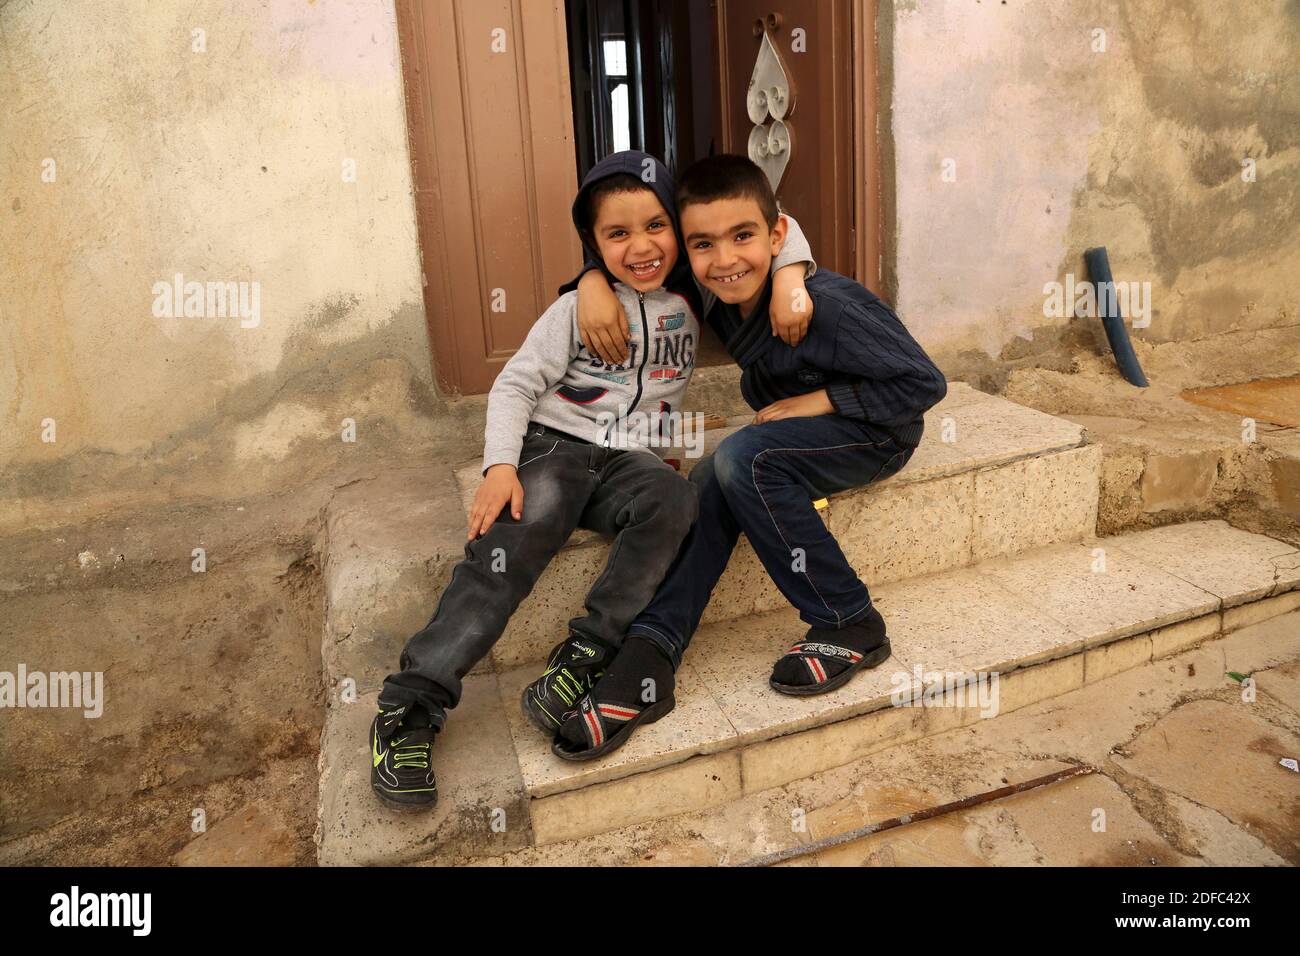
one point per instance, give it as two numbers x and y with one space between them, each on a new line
645 351
645 355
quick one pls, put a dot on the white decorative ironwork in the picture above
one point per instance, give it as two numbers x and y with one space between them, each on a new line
769 95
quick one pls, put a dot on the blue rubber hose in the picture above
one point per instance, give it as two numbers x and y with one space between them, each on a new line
1111 319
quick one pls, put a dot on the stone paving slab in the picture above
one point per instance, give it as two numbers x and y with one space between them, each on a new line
481 808
703 781
990 430
1050 826
391 543
941 841
735 659
907 530
695 726
1063 822
1036 501
1282 683
1235 565
1188 750
964 621
1100 602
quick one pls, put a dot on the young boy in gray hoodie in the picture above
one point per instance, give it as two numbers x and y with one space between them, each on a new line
565 447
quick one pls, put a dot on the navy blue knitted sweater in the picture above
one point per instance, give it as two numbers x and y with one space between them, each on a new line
856 348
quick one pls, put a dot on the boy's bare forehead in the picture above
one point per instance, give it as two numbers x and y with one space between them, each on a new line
633 205
709 220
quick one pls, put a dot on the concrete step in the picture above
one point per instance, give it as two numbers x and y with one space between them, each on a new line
1045 622
990 477
1177 728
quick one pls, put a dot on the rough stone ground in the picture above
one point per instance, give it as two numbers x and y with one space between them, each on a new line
1187 774
1166 459
264 817
212 685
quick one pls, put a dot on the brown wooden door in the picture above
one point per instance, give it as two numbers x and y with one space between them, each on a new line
491 116
815 42
491 127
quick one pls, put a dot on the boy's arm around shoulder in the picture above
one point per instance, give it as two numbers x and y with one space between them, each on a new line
790 307
796 250
538 366
889 378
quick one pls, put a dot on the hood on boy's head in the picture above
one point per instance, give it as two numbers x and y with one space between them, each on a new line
643 166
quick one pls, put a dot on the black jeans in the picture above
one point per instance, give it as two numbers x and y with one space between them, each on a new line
762 480
568 483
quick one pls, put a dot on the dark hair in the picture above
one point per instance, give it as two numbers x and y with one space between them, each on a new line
609 186
727 176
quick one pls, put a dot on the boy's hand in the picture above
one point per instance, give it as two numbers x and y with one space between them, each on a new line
500 486
801 406
792 307
601 321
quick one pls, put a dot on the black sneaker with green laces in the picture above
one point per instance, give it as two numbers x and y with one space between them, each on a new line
401 765
573 666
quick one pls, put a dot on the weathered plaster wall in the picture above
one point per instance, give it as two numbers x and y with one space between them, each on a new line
223 165
226 165
1058 148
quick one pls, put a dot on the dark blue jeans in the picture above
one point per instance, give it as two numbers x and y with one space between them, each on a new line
762 481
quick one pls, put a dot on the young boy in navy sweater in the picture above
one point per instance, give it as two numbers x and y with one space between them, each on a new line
839 410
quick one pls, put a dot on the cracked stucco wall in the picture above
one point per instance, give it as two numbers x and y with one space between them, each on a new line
1057 147
222 164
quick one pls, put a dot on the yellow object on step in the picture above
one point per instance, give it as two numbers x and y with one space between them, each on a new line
820 503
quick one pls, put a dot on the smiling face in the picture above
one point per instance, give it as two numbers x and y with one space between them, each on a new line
635 238
731 248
